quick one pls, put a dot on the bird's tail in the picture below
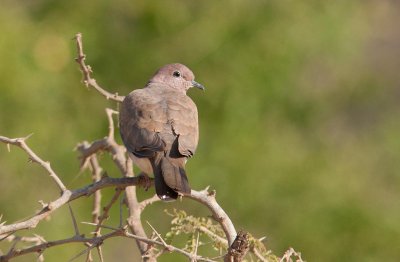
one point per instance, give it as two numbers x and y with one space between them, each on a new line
170 178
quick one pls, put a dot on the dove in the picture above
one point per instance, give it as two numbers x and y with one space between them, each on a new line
159 127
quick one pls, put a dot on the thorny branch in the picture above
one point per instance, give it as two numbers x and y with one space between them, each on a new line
96 171
87 71
20 142
96 176
67 197
95 242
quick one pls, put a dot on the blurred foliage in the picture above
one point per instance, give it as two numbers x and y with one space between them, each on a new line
206 234
194 227
299 123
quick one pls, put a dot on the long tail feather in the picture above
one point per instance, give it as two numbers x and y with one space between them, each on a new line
175 176
163 191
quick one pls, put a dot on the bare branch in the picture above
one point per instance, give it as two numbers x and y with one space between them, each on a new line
87 71
96 176
69 196
109 113
135 223
105 144
171 248
106 210
95 241
256 252
100 253
213 235
208 199
20 142
76 229
196 247
288 254
36 239
86 250
148 201
158 235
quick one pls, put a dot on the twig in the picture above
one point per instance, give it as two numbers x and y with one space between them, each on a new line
96 170
73 220
105 144
45 245
86 250
96 176
288 254
100 253
256 252
143 204
158 235
87 71
208 199
20 142
106 209
213 235
5 236
69 196
121 201
109 113
196 247
36 239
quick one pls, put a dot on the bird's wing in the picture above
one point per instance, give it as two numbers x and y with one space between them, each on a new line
182 113
142 118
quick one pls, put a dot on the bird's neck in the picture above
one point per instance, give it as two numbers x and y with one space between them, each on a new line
164 86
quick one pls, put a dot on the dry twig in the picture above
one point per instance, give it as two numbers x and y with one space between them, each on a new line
87 71
20 142
66 197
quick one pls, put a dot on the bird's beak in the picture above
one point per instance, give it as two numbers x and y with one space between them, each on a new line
198 85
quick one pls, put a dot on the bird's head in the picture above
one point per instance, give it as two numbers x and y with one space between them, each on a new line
176 76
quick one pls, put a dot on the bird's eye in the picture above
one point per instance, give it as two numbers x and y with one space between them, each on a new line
176 74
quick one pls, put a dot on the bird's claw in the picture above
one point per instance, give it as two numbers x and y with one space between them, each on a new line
145 181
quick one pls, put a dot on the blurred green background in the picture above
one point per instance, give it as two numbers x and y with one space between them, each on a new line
300 130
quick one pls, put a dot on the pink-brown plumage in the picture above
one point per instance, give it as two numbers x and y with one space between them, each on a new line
159 127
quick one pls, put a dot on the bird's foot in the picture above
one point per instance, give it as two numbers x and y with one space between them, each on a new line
145 181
